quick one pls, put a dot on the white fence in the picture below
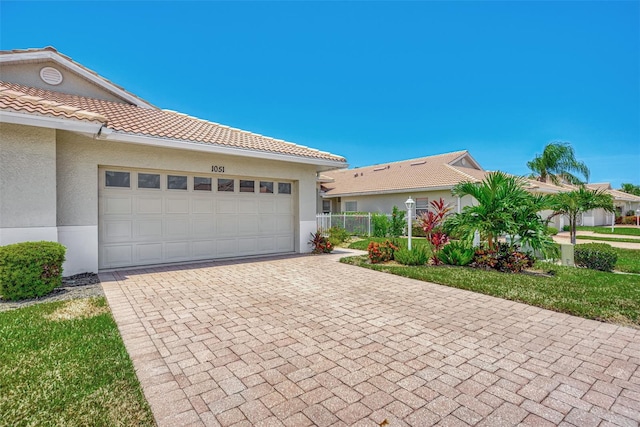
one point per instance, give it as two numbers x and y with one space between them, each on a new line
358 224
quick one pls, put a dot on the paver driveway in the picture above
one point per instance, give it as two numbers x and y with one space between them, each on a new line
307 341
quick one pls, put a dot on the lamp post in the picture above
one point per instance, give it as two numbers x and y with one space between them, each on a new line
637 217
409 204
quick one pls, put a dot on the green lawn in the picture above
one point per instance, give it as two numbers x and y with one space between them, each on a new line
64 363
586 293
617 230
608 239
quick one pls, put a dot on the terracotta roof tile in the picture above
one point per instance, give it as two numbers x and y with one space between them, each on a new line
130 119
415 174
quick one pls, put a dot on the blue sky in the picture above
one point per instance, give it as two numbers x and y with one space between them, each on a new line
374 81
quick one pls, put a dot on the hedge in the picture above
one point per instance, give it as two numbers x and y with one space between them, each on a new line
595 256
30 269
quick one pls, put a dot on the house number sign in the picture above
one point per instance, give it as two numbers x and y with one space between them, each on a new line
219 169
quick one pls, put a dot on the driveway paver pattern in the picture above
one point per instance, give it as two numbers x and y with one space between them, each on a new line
301 341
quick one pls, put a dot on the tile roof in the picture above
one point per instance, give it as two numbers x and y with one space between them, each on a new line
129 119
432 172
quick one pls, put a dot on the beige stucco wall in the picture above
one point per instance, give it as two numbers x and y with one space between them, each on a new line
27 176
384 203
28 74
79 157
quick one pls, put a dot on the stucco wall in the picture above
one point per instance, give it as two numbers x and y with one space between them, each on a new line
384 203
27 176
28 74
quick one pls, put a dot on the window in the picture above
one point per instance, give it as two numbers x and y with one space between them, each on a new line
266 187
225 184
117 179
350 206
148 180
176 182
201 184
326 206
422 205
284 188
247 186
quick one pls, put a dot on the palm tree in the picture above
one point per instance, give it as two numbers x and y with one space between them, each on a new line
573 203
499 195
557 162
630 188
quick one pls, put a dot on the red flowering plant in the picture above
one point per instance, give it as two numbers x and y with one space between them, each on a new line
431 222
381 252
320 243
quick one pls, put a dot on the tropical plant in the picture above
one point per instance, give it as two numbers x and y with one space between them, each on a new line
414 256
630 188
381 252
431 223
380 225
456 253
558 163
504 258
398 222
320 244
573 203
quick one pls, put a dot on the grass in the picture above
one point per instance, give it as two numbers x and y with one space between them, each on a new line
608 239
625 231
64 363
580 292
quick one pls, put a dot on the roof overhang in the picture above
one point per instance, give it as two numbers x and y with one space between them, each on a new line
321 164
330 195
87 127
48 55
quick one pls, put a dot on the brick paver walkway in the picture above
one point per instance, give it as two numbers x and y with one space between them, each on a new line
307 341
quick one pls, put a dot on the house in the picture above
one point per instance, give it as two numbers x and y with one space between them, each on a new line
121 182
623 202
380 187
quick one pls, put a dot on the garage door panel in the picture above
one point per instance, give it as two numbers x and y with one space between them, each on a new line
176 205
267 244
226 225
227 247
148 228
149 253
117 205
117 231
248 245
176 251
203 227
248 206
267 224
175 227
248 225
118 255
284 243
267 207
283 206
202 205
203 249
283 224
226 206
149 204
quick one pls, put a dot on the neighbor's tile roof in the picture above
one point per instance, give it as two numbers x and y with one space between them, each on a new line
129 119
423 173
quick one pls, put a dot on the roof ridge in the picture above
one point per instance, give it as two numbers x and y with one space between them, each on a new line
462 173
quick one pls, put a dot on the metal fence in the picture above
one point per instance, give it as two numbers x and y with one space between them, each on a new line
356 224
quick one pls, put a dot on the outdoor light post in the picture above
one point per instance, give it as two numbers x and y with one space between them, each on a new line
637 217
409 204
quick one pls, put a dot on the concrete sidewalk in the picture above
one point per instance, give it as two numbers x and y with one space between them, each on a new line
306 340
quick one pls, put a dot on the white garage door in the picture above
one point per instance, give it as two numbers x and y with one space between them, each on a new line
150 217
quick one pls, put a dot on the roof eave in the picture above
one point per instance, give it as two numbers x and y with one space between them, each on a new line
73 125
321 164
381 192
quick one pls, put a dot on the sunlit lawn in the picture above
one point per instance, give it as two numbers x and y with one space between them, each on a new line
64 364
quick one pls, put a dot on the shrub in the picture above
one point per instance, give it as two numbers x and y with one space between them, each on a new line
381 252
552 231
415 256
566 228
417 230
629 220
456 253
398 223
338 235
595 256
30 269
380 225
505 258
630 212
320 244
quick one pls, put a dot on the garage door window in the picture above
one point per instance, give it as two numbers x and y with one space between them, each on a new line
266 187
225 185
201 184
247 186
117 179
284 188
176 182
148 180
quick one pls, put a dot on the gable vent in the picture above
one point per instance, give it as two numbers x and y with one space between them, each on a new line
51 76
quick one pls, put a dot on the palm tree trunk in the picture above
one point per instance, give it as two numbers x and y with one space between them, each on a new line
572 225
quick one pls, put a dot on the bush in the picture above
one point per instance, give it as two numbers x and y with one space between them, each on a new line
380 225
320 244
417 230
416 256
381 252
566 228
30 269
629 220
630 212
595 256
552 231
456 253
398 223
504 258
338 235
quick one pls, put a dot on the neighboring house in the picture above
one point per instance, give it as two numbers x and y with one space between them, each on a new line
380 187
123 183
623 202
